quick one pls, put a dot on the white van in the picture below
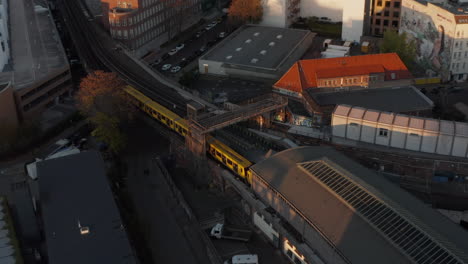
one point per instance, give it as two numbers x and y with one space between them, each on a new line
242 259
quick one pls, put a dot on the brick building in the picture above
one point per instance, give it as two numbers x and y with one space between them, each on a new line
137 22
320 84
385 16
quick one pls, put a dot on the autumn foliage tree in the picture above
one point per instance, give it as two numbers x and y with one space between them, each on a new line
245 11
102 99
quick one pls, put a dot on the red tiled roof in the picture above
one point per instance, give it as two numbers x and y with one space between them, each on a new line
304 73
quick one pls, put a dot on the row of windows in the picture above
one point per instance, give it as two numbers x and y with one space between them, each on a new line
396 4
385 22
383 132
45 96
137 18
387 14
44 85
459 44
349 81
456 66
141 29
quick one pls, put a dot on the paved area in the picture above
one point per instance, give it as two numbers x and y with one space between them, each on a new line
168 230
35 45
233 89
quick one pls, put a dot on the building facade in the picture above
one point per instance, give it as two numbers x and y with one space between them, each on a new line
340 212
138 22
385 16
35 70
280 13
400 131
439 29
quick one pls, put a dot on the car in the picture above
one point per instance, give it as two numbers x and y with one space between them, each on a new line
175 69
166 67
209 26
222 35
198 34
202 49
180 46
219 20
173 51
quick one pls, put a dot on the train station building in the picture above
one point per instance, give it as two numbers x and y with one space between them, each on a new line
256 52
319 206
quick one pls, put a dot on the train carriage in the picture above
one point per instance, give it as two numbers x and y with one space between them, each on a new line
222 153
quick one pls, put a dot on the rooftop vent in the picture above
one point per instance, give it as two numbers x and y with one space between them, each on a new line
238 49
228 57
263 52
279 36
248 41
271 44
254 60
256 34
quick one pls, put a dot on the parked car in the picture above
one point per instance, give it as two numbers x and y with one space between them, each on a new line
222 35
173 51
209 26
166 67
180 46
156 62
175 69
198 34
202 49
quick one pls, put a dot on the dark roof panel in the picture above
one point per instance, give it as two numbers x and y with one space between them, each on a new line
74 191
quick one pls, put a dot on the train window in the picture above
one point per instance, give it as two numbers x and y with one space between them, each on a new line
218 154
163 118
241 170
170 122
235 167
229 162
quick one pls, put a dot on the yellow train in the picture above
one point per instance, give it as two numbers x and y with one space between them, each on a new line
219 151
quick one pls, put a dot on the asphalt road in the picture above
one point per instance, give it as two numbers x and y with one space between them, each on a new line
193 44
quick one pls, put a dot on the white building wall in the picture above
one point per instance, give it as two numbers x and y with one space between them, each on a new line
460 145
368 132
210 67
353 20
274 13
4 37
444 144
339 126
333 9
398 137
383 140
353 130
429 141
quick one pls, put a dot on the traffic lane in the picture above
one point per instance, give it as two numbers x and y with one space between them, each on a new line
197 44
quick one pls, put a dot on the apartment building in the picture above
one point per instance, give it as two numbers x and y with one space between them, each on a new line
35 71
439 29
137 22
385 16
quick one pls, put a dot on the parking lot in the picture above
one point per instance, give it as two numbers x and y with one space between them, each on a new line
180 55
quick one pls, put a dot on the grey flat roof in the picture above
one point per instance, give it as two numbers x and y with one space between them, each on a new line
358 241
36 48
400 99
75 188
274 55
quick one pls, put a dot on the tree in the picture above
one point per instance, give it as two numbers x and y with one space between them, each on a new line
245 11
107 129
101 97
399 43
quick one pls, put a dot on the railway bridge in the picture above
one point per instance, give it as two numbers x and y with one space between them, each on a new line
201 125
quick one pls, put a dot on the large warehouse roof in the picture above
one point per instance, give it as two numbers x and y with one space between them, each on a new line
409 99
82 222
366 217
257 46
